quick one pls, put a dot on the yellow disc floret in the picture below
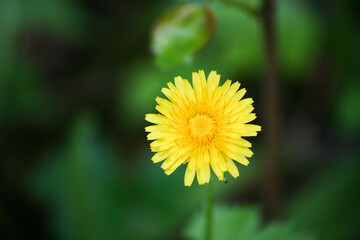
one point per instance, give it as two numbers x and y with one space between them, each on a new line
202 128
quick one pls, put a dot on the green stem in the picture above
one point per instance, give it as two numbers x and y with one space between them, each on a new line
272 124
209 212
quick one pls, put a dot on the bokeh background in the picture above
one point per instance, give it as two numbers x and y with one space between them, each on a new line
78 76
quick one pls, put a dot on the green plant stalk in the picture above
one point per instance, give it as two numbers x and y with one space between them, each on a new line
209 212
272 123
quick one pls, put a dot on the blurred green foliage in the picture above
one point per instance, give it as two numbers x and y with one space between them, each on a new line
327 204
238 47
62 17
22 96
231 223
180 33
77 179
300 34
346 116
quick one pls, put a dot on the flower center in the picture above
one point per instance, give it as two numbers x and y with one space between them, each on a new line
202 128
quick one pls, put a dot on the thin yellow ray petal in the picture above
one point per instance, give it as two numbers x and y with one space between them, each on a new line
192 163
225 87
167 136
189 90
176 94
247 133
232 90
189 176
199 161
216 97
230 134
240 94
205 173
239 150
217 170
179 83
170 161
156 118
242 142
212 83
155 135
231 167
160 128
167 93
242 160
237 157
246 118
199 176
222 162
166 104
163 147
238 107
213 155
206 157
181 155
175 165
253 127
160 156
249 130
166 113
197 86
203 84
202 78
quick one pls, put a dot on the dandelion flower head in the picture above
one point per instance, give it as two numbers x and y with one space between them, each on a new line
202 126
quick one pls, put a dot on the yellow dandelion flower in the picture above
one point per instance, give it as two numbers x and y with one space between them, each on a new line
202 126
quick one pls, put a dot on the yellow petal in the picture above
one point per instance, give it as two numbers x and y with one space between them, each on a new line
189 176
212 82
197 86
217 170
156 118
232 167
160 156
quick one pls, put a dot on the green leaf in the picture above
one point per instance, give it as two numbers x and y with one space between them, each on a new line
180 33
283 232
232 223
229 223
